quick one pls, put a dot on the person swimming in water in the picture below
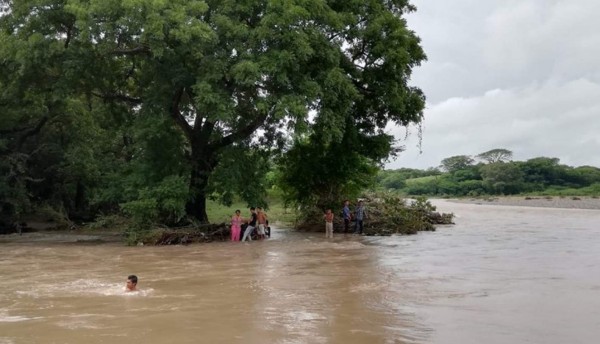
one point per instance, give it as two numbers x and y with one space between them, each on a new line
131 283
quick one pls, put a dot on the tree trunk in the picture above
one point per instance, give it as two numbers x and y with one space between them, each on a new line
196 205
203 161
80 198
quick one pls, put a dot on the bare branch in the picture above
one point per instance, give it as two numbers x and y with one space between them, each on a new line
176 114
120 97
140 50
32 131
243 132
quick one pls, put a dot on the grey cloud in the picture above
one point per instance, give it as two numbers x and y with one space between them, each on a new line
555 120
520 75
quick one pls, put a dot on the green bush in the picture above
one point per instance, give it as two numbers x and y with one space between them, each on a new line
163 203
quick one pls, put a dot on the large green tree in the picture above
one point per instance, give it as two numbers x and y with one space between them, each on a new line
318 173
225 73
456 163
496 155
502 178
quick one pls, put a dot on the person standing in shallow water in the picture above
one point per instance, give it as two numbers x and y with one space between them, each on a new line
236 226
131 283
251 225
359 216
261 217
346 215
328 224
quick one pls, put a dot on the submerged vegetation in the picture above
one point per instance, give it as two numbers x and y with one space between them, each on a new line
387 214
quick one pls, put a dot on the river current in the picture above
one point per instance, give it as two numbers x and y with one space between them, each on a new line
500 275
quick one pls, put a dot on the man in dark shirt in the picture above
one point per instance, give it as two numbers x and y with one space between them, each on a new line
251 225
359 216
346 216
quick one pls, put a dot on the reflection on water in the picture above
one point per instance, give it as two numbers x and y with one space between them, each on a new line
501 275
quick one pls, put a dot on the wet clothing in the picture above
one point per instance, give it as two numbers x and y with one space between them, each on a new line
359 212
329 230
346 212
253 220
262 223
236 228
359 215
329 225
248 233
347 218
358 227
250 228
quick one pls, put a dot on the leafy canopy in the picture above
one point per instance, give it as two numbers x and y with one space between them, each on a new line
164 93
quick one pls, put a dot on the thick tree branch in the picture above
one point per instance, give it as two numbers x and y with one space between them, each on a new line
206 131
176 114
140 50
31 132
350 28
199 118
120 97
243 132
12 131
69 31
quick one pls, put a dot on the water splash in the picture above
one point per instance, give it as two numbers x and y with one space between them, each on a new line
82 287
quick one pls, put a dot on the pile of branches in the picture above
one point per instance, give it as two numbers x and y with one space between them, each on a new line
386 214
180 236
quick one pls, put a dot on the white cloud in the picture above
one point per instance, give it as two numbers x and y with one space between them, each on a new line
551 119
520 75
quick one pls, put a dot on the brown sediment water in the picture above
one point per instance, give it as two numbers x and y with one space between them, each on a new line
500 275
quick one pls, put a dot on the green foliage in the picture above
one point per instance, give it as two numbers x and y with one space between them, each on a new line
108 222
104 102
457 162
502 178
469 173
542 170
241 172
394 181
496 155
417 215
534 176
314 176
278 211
163 203
390 214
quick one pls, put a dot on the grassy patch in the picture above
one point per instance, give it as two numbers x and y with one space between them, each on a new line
218 213
420 180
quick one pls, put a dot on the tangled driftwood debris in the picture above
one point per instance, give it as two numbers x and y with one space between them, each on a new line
183 235
387 214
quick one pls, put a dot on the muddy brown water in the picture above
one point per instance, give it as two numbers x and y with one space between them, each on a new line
500 275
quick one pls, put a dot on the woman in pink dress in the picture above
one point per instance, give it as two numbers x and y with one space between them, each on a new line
236 226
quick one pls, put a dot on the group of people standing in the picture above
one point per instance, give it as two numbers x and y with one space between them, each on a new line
358 217
258 220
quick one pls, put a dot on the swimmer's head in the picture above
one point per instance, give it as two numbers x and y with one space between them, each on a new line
131 282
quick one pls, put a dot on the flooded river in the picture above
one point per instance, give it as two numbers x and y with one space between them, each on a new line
500 275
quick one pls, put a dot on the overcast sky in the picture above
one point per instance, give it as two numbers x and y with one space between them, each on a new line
523 75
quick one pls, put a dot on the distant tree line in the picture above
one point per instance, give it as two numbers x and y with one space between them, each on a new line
493 173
